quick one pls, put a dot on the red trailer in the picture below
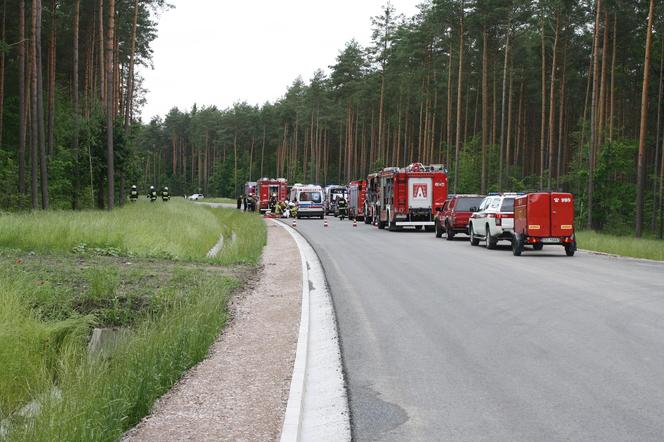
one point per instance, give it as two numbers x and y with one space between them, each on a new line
544 218
266 187
357 193
372 198
411 196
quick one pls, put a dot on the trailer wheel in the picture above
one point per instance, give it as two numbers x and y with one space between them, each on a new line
570 249
474 241
517 245
439 231
449 232
491 242
538 246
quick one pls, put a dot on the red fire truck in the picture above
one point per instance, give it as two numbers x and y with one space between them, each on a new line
266 187
411 196
357 192
372 198
544 218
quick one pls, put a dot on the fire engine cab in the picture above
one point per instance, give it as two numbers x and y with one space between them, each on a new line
266 187
409 197
357 191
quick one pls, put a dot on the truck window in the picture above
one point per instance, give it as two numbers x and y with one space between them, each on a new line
465 204
508 205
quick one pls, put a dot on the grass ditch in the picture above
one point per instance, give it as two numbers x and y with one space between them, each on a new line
52 295
645 248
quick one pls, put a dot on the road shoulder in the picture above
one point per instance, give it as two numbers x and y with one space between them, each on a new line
240 391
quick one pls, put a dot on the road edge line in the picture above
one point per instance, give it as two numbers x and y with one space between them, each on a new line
334 425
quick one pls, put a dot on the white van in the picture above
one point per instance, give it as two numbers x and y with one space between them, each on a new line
309 199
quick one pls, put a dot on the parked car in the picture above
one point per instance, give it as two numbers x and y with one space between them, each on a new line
196 197
494 221
455 215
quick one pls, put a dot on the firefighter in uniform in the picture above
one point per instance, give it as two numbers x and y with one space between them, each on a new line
133 194
152 194
293 210
251 202
165 195
273 202
342 207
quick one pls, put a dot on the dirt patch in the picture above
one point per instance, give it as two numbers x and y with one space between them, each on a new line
240 391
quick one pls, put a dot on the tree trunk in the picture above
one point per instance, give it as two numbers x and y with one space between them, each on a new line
448 123
552 97
561 114
485 108
77 179
43 171
502 108
643 127
593 116
458 110
102 56
34 125
110 43
21 100
657 138
543 110
130 73
613 75
51 82
601 123
3 36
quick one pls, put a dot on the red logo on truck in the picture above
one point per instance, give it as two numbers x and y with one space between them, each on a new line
419 191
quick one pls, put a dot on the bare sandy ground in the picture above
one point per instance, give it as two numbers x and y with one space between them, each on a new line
240 391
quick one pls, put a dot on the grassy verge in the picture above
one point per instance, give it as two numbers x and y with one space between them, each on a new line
51 298
174 230
621 245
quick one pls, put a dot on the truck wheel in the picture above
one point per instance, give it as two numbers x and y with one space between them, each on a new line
449 232
538 246
439 231
517 246
570 249
491 242
474 241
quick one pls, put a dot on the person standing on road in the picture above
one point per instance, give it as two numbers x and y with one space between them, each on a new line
239 201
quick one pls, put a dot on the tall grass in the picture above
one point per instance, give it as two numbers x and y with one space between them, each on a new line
100 398
621 245
175 230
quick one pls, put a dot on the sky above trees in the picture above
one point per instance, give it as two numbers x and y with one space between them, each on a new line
215 52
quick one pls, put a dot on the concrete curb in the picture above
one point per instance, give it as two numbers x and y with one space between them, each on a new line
317 403
612 255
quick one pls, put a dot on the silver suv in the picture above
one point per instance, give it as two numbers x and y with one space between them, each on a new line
494 221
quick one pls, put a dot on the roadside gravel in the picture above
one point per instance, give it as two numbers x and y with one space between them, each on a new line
240 391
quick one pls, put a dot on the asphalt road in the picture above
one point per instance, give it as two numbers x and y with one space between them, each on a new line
445 341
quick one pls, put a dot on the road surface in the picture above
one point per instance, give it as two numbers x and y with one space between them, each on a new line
445 341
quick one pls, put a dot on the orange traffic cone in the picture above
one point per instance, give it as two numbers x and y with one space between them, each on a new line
354 223
325 222
294 224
